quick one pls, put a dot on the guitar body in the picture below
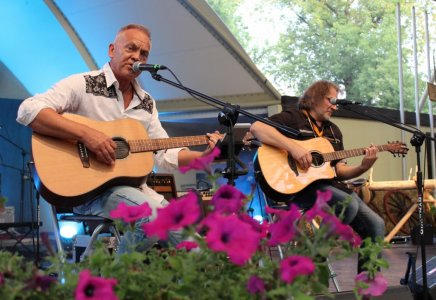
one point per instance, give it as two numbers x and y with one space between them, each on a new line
61 177
282 176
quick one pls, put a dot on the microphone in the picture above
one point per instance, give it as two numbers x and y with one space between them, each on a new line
138 67
335 101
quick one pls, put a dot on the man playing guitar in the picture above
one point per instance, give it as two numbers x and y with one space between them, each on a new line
312 120
110 94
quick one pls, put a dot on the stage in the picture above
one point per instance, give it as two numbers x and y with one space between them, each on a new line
397 258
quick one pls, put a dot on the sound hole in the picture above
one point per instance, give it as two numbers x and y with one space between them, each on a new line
317 159
123 148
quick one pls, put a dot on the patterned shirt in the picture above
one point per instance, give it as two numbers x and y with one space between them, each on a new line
96 95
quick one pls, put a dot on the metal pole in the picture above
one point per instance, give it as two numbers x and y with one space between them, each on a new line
430 105
415 69
400 83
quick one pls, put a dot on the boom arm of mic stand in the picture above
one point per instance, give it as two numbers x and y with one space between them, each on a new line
292 132
228 118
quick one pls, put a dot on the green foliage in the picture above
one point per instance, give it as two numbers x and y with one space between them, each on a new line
200 273
349 42
227 12
178 274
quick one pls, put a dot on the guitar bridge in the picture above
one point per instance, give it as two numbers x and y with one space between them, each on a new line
83 154
292 164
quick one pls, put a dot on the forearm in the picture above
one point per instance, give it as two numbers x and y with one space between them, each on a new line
271 136
186 156
49 122
344 172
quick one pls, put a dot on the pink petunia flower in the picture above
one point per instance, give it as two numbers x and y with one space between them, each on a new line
283 230
179 213
227 199
345 232
2 279
41 282
95 288
229 234
255 285
320 208
294 266
201 163
188 245
131 213
261 228
375 287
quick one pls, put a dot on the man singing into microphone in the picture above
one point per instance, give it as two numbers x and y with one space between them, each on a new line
105 95
312 119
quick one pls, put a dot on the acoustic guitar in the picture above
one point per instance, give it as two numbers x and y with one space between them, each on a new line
66 174
282 176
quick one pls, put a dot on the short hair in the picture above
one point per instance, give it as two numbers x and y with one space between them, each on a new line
136 26
315 93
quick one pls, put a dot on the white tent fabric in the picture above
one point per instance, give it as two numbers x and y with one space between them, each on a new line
188 37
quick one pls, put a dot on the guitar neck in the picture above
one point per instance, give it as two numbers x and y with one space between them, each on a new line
145 145
338 155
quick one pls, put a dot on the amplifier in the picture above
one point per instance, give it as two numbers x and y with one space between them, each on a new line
205 196
163 184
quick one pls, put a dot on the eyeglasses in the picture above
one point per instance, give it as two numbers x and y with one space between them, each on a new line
331 100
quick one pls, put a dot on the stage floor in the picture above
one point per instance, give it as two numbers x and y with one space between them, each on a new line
396 256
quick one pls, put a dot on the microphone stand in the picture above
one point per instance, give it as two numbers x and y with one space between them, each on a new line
417 140
227 117
23 177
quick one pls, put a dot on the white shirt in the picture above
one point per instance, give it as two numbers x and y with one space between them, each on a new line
96 95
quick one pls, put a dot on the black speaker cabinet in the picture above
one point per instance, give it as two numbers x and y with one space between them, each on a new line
428 235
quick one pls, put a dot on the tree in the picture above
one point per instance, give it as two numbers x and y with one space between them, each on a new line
350 42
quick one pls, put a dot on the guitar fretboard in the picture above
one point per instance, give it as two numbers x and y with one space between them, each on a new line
166 143
337 155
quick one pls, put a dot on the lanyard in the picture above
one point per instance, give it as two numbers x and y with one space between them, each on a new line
314 126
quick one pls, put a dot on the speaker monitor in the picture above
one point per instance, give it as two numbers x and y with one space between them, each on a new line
431 278
392 293
429 232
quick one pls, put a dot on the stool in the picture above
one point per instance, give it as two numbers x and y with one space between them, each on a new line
99 225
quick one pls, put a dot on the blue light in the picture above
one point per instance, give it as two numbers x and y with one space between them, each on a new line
258 218
68 229
35 47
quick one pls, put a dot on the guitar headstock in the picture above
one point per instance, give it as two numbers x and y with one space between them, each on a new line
397 148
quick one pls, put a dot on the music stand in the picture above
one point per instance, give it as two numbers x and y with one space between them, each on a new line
239 132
